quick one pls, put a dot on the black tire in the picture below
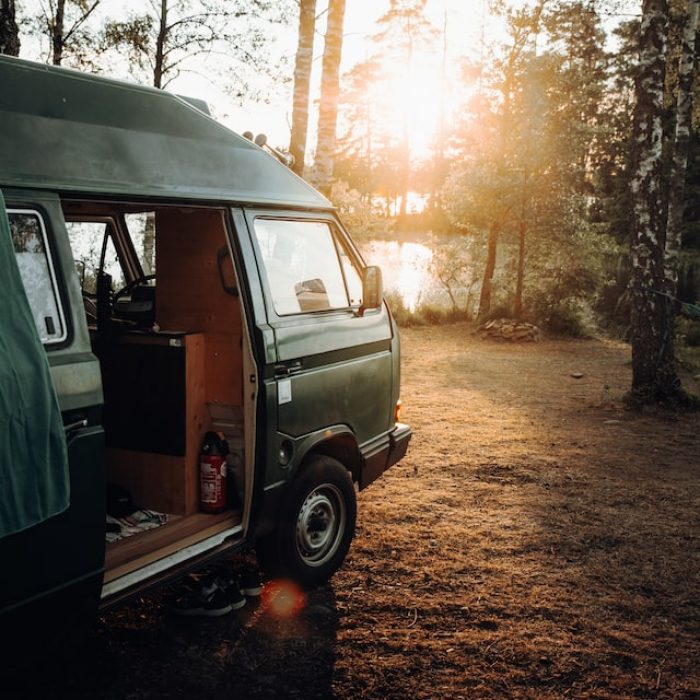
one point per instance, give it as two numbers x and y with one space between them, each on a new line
316 524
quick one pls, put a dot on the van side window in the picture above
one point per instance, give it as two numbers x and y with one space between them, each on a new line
142 229
87 239
302 266
36 269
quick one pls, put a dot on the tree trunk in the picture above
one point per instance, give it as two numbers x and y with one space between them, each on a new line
302 80
404 173
149 245
9 33
684 108
158 69
57 33
330 88
485 298
518 302
653 366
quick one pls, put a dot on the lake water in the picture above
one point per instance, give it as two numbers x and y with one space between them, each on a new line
405 269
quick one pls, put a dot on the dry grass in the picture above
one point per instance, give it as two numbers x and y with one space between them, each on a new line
537 542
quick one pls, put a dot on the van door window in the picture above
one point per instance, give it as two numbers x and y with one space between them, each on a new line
302 266
353 279
36 269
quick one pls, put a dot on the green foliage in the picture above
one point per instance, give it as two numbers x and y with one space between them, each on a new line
565 277
688 331
161 40
362 219
401 314
455 264
424 315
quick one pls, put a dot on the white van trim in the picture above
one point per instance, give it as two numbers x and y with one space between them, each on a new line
157 567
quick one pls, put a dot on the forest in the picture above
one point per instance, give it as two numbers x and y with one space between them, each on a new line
544 155
519 164
522 151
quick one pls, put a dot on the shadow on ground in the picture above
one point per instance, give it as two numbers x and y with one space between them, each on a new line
145 652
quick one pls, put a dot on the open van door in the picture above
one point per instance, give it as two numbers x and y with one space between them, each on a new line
51 476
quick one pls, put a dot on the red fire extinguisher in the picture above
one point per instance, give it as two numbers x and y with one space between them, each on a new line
212 473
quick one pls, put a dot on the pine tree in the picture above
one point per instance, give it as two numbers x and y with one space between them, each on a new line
404 29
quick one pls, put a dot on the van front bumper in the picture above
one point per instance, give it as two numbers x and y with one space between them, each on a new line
391 450
400 436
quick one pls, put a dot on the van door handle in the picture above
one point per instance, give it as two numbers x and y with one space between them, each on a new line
76 425
288 368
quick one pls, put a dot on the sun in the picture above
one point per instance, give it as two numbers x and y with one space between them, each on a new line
417 105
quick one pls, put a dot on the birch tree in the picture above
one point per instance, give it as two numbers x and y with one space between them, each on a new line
653 367
302 80
330 89
684 108
9 34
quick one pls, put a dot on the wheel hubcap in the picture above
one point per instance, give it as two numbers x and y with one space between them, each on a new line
320 525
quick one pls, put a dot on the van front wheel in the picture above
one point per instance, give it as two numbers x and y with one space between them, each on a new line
316 525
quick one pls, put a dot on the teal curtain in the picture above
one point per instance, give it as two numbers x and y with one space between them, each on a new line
34 482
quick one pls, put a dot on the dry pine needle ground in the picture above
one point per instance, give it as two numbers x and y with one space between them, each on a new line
537 542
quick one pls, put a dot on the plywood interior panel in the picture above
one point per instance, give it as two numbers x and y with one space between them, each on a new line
191 297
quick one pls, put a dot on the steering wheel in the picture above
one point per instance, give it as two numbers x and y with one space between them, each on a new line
129 286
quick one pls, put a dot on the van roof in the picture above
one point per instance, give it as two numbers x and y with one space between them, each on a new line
67 131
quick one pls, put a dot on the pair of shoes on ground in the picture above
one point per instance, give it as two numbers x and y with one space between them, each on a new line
218 595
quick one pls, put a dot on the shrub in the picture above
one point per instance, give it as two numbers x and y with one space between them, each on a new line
432 315
688 332
569 319
401 314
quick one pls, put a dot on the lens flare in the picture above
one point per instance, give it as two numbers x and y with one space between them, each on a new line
283 599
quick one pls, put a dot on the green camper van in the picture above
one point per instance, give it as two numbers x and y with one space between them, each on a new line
164 279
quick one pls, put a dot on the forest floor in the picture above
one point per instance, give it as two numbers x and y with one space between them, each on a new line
538 541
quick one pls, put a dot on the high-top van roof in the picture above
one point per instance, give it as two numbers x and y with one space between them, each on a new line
67 131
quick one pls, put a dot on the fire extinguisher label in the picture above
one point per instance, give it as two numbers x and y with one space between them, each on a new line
211 484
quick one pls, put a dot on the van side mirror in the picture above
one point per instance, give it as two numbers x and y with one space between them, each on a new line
372 292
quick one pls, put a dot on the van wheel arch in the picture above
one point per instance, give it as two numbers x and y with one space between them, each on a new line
343 448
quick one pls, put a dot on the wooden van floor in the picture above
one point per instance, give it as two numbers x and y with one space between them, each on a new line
131 553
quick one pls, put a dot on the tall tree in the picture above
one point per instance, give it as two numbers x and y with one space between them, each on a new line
653 365
330 89
679 167
302 81
524 27
65 24
9 34
656 235
526 172
163 39
404 29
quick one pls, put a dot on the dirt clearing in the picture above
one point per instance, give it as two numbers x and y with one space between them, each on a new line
538 541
